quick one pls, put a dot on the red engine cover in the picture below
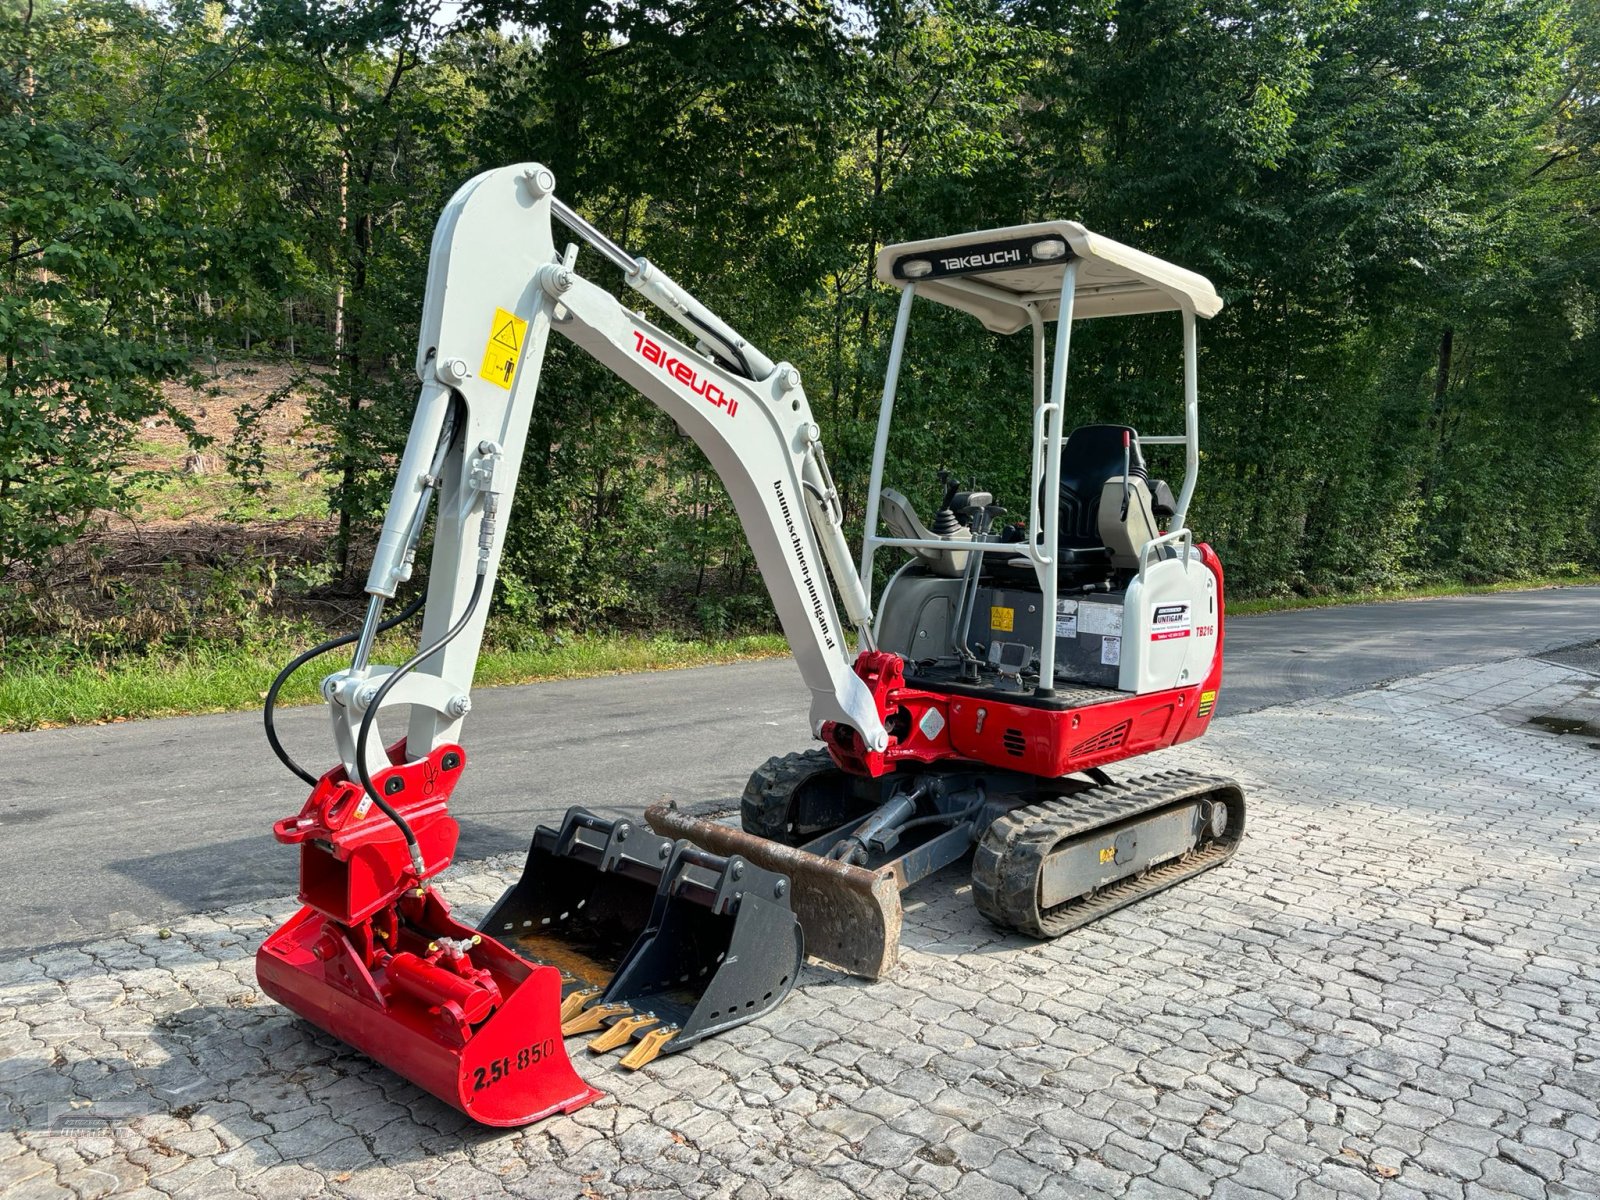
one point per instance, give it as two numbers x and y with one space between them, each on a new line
928 726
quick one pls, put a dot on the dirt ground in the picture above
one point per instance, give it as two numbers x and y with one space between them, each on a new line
192 515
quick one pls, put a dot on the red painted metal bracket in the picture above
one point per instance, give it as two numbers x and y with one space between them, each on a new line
375 958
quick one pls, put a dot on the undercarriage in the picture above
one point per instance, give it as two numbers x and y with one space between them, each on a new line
1048 856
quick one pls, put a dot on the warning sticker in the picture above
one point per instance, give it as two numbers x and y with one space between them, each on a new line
931 724
506 335
1169 621
1104 619
1066 618
1111 652
1002 620
1207 699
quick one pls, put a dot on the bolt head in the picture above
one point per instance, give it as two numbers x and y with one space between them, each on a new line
452 370
539 180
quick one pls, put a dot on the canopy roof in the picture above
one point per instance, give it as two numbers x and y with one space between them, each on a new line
997 274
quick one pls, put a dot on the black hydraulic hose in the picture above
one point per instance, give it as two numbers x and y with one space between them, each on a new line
395 677
267 709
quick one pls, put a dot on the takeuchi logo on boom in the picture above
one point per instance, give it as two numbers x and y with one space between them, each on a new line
652 352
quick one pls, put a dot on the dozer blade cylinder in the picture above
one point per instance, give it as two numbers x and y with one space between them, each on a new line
851 915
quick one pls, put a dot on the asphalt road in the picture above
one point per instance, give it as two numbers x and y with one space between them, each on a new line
108 826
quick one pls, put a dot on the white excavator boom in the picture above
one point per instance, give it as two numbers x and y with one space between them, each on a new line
496 289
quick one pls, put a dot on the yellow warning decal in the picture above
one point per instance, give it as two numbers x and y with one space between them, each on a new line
1001 620
1109 854
506 335
1207 699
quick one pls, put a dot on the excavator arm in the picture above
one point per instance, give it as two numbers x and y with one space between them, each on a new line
612 930
497 287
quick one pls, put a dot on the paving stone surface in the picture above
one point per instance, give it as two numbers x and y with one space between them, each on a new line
1390 992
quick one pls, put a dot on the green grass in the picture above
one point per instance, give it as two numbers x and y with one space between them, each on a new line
226 679
288 492
38 695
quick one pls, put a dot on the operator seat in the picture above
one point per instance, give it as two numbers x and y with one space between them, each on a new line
1090 457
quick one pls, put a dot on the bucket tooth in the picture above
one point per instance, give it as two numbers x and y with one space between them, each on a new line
573 1002
593 1018
649 1047
620 1033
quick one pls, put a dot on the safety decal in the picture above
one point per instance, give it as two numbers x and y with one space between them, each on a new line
507 332
1066 618
1207 699
931 724
1002 620
1170 621
1104 619
1111 652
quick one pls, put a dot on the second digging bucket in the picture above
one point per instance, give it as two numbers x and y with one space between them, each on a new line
660 943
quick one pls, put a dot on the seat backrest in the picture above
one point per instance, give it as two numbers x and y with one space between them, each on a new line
1126 536
1091 455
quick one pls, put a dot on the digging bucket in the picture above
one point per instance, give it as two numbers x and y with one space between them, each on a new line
659 943
851 915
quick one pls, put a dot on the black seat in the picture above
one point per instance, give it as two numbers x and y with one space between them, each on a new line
1091 455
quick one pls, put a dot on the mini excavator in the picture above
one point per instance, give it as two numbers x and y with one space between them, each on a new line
1003 667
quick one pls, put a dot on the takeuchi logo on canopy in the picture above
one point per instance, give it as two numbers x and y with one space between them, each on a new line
994 258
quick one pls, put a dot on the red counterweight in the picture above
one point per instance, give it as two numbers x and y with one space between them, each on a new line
379 962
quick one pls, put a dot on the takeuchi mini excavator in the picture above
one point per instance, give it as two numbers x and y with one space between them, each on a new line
971 708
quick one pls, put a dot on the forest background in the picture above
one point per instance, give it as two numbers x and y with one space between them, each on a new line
216 221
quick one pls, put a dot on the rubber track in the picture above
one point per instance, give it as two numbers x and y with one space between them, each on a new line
764 807
1011 854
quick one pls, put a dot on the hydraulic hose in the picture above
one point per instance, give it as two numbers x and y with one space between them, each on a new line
395 677
268 709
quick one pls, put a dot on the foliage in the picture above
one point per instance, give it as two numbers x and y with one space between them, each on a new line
1401 207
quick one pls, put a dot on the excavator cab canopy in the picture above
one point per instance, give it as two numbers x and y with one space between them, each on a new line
998 275
1023 277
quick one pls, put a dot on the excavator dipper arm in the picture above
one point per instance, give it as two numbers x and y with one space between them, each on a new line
496 290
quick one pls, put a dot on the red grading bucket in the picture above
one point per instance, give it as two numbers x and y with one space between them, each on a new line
382 965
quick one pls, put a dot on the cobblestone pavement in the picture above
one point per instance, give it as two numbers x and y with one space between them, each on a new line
1390 992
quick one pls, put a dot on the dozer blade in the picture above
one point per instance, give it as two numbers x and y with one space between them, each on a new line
851 915
650 933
